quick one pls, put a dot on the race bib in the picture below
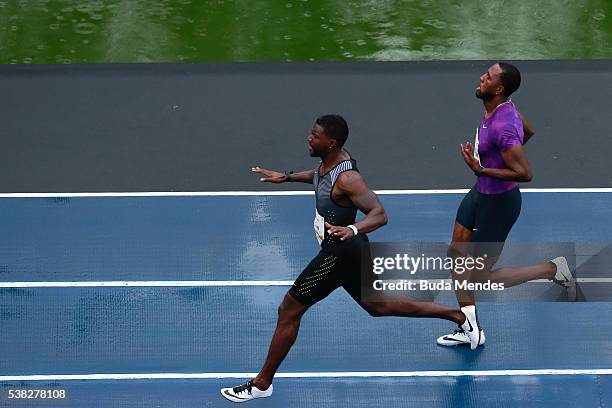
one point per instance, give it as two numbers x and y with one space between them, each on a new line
476 154
319 227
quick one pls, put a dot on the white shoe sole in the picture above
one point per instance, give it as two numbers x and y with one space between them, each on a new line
228 393
447 341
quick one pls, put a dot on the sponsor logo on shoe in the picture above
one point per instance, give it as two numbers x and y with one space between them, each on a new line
232 395
470 323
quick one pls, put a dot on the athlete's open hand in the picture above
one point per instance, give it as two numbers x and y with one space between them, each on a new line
270 176
467 152
339 232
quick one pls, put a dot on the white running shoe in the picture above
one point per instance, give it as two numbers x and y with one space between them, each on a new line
470 326
458 337
245 392
564 277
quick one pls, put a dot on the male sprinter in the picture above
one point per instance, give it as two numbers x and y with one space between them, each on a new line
339 192
492 206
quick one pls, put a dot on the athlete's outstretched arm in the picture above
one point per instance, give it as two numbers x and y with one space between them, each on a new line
515 158
276 177
351 184
527 129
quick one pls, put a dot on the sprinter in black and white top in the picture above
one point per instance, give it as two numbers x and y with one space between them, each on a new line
340 191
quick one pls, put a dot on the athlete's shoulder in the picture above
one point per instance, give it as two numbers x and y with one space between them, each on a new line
349 173
507 118
349 178
508 113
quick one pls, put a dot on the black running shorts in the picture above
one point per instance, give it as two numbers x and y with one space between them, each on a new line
490 217
330 270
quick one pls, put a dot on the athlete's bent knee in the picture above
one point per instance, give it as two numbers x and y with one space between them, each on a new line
290 308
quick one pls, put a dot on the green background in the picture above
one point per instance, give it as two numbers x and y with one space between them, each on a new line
94 31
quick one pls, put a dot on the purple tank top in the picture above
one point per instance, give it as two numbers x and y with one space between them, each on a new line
496 134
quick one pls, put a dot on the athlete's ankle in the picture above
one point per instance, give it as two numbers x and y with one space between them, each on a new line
550 272
458 317
261 383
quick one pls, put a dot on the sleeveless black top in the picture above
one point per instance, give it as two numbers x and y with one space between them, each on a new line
328 209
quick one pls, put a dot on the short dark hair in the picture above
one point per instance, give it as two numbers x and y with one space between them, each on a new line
335 127
510 78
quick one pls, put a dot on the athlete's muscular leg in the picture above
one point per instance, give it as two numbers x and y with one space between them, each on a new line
413 308
508 276
289 315
514 276
461 237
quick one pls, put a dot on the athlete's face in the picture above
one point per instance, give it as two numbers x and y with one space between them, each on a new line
490 84
318 142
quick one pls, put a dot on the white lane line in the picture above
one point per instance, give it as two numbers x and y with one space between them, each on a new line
283 193
212 283
342 374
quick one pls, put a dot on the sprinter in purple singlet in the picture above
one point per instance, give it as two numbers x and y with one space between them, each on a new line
492 206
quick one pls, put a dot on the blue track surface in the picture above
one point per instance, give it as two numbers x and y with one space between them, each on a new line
464 392
160 330
125 330
224 238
